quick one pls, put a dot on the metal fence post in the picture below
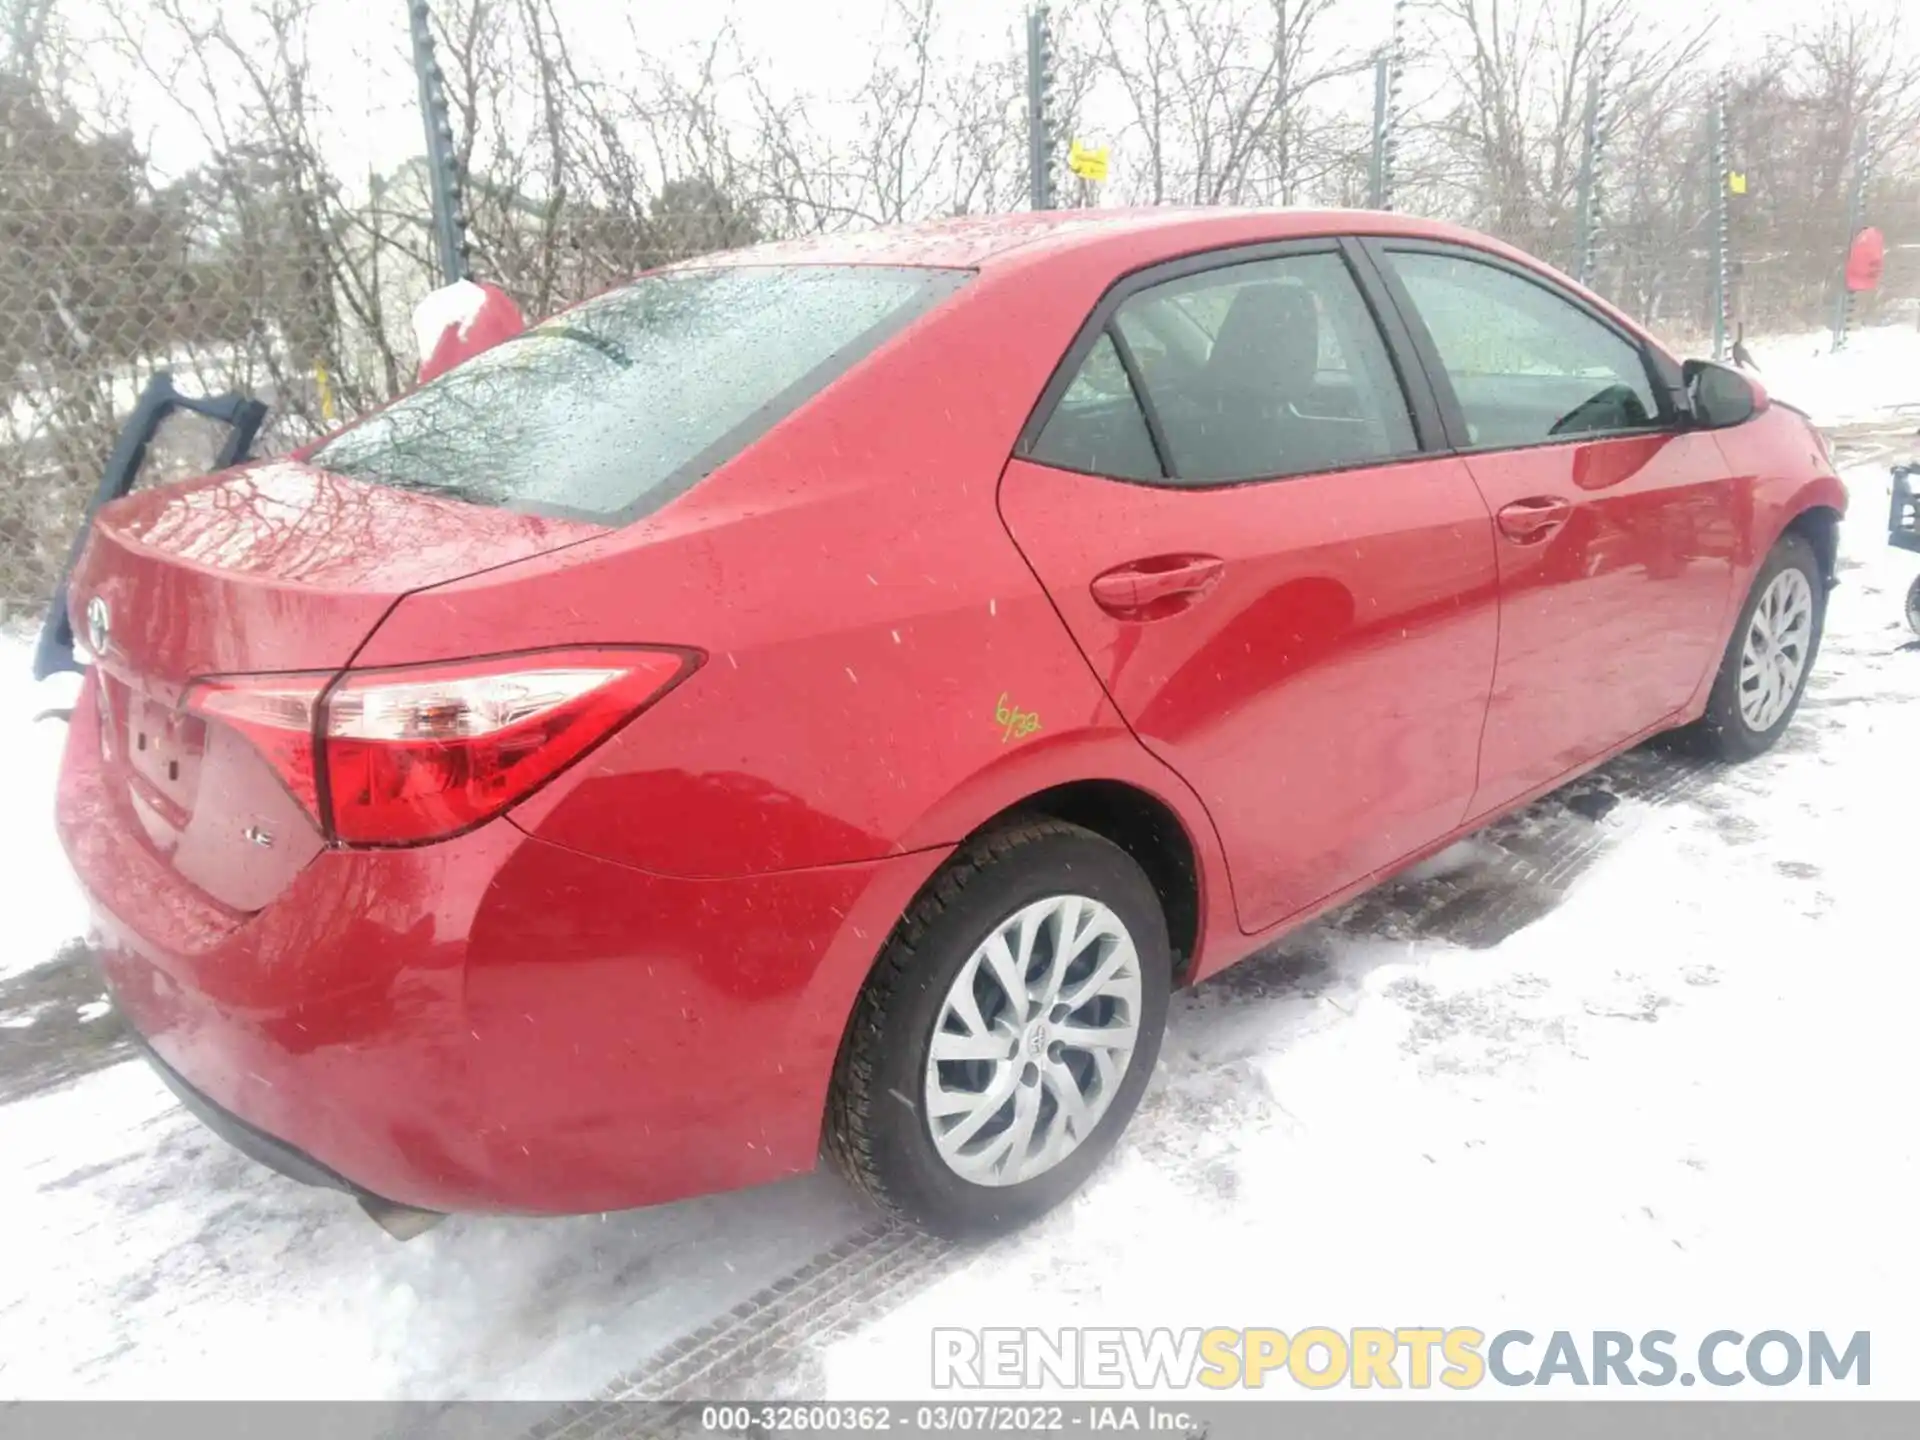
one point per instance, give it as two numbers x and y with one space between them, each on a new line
443 181
1856 214
1386 113
1590 161
1721 180
1039 109
1377 165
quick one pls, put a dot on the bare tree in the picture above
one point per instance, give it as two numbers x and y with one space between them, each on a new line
1220 94
1519 72
266 267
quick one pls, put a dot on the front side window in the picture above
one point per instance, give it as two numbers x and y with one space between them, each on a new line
1526 366
1265 369
610 409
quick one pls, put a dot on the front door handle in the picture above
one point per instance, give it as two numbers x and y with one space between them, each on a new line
1529 521
1154 588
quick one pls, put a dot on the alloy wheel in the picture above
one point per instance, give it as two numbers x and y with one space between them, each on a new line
1033 1040
1773 658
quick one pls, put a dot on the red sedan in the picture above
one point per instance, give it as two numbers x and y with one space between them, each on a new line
825 697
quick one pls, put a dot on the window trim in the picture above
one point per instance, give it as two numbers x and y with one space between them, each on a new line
1154 439
1142 401
1422 405
1378 248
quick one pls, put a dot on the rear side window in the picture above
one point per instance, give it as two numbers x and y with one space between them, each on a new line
1098 425
1526 365
1267 369
609 410
1250 371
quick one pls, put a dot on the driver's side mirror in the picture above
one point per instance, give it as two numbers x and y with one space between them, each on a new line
1719 396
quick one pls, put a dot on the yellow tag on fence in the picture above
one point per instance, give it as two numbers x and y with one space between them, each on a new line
323 386
1087 164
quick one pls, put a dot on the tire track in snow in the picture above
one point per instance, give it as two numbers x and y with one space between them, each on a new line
1521 867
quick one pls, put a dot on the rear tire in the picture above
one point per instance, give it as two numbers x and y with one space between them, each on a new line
1913 605
1770 657
904 1127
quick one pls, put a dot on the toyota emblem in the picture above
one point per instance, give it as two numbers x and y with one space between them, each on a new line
99 625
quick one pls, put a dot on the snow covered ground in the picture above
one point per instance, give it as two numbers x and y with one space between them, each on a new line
1676 1099
37 891
1872 380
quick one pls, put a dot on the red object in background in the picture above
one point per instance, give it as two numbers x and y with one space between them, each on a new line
1866 260
460 320
626 977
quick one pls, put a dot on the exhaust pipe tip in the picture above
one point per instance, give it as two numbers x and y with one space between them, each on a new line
402 1222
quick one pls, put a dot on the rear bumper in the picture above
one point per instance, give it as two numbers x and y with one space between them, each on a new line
254 1143
494 1023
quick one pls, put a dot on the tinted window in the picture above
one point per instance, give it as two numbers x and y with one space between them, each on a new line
1269 368
1098 426
1526 365
610 409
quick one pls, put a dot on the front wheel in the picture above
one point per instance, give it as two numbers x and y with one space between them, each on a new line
1007 1033
1913 605
1770 657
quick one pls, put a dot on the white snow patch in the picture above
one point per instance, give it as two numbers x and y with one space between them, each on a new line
1460 856
1872 378
147 1259
38 894
456 304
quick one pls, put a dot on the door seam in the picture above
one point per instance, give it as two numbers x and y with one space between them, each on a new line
1099 680
1499 636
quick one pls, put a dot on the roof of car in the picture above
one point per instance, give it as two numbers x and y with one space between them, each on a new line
975 241
1111 241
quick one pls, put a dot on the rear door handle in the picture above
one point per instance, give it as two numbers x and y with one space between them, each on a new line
1153 588
1529 521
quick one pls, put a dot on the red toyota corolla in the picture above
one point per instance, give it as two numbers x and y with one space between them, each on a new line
827 695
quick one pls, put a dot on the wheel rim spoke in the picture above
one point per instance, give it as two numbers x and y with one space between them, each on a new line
978 1109
999 960
1026 1115
1069 937
949 1046
1035 1034
965 1007
1065 1089
1091 1038
1111 968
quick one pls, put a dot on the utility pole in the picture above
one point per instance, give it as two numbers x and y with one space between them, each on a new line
1387 70
1856 214
1040 137
1377 167
1721 181
443 181
1590 162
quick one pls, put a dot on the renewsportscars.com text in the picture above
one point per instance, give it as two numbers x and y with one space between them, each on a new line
1416 1358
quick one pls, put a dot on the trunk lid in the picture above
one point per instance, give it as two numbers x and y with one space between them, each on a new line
273 567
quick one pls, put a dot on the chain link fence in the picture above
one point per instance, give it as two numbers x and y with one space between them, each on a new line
263 270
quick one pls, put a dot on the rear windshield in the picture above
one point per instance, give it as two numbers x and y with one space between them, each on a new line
609 410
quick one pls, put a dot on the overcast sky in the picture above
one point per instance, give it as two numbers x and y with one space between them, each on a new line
360 53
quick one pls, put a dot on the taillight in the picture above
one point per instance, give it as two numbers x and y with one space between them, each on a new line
401 756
